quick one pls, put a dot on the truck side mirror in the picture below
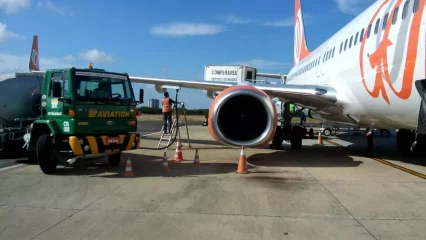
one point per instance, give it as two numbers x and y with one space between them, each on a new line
141 95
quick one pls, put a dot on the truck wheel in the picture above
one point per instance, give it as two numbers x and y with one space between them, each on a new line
384 133
327 132
114 160
45 154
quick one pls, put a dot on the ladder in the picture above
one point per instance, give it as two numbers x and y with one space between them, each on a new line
165 139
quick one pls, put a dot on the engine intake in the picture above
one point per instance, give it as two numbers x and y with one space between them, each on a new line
242 116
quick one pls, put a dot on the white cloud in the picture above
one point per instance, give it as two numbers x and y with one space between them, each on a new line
352 7
69 58
233 19
96 56
5 34
48 5
189 29
289 22
13 6
260 63
12 63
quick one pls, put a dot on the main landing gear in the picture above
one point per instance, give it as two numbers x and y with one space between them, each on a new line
407 142
288 132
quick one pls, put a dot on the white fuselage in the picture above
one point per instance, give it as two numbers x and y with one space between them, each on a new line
390 61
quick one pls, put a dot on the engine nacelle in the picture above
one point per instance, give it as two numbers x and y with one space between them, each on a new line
242 116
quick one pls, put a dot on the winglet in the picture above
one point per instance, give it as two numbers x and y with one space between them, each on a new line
300 48
34 61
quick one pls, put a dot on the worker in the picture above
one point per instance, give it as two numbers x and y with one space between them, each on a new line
101 91
291 106
302 118
167 112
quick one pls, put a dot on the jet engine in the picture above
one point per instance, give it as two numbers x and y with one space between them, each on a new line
242 116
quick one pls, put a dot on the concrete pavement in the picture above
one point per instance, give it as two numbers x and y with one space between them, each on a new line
320 192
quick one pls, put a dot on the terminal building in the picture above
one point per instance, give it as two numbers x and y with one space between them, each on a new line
154 103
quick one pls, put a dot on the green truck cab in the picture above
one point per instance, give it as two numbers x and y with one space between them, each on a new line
84 114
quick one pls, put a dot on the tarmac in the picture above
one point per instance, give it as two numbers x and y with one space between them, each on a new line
331 191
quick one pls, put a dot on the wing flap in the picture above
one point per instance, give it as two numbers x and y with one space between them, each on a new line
204 85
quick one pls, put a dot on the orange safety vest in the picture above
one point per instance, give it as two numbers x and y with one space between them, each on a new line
167 107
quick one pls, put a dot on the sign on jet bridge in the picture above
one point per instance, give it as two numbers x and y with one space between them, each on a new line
223 73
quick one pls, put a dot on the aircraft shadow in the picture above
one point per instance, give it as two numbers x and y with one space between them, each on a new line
308 156
146 166
384 148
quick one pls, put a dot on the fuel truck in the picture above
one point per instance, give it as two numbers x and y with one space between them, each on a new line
61 116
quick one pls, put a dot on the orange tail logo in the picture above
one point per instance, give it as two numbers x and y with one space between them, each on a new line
379 58
34 61
300 48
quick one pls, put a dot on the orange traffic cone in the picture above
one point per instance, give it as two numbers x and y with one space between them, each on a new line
129 172
197 158
165 163
178 152
242 164
319 142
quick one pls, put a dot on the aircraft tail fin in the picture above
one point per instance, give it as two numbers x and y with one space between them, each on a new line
300 48
34 60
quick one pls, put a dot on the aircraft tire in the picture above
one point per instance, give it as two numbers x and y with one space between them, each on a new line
277 141
296 137
404 140
311 133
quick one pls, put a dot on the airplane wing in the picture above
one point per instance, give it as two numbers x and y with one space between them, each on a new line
319 98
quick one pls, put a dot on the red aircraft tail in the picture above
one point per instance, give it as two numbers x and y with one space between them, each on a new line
34 61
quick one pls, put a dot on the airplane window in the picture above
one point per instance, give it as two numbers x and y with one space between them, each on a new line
361 35
376 28
385 20
333 52
369 31
395 15
350 41
416 6
341 46
405 9
346 43
356 38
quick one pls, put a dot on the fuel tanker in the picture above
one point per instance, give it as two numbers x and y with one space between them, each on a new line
61 116
20 95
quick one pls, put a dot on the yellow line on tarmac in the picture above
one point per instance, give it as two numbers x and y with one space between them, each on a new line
388 163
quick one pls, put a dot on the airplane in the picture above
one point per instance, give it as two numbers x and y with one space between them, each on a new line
370 73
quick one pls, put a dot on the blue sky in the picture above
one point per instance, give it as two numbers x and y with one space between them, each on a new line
164 38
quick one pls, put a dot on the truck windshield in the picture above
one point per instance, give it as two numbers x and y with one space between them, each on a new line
102 86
